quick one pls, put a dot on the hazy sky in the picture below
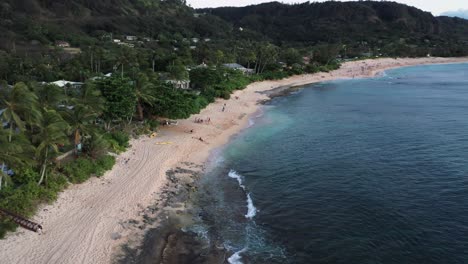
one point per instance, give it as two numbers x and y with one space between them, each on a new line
434 6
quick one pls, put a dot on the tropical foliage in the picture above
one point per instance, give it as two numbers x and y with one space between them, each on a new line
131 56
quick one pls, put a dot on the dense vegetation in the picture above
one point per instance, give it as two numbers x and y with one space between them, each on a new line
377 27
130 82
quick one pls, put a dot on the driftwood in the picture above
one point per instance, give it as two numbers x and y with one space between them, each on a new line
21 221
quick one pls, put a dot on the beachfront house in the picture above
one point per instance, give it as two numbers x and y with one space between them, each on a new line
131 38
68 84
180 84
238 67
101 77
62 44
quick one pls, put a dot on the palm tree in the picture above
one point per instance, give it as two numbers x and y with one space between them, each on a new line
144 93
126 56
21 102
50 96
91 97
13 153
80 119
52 132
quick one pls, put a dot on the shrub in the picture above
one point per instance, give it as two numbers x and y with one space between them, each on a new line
79 170
104 164
226 95
122 138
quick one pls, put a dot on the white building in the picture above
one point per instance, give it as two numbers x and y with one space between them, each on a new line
238 67
180 84
131 38
63 83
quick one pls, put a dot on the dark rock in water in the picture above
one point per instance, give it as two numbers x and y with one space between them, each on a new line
167 243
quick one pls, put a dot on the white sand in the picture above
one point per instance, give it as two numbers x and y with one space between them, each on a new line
79 225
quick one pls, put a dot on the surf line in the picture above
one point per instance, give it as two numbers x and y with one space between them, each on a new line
251 209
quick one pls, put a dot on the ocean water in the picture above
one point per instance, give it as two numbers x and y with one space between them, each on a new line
352 171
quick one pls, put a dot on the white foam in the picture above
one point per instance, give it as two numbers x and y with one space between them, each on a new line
251 122
236 258
233 174
251 209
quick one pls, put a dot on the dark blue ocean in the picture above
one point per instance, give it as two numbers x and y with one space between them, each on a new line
352 171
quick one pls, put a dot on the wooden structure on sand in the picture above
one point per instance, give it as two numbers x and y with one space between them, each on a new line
21 221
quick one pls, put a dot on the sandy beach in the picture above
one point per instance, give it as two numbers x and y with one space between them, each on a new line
81 226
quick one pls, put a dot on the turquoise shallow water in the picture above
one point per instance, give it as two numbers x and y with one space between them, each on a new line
356 171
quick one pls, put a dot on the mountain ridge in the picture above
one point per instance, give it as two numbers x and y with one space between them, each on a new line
344 22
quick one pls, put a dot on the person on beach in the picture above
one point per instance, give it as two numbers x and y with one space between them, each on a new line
201 139
191 131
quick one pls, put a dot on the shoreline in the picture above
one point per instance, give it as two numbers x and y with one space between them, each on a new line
87 222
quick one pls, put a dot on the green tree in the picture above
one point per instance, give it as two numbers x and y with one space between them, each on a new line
120 98
178 71
144 92
91 96
266 54
52 132
291 56
20 102
14 153
80 119
50 96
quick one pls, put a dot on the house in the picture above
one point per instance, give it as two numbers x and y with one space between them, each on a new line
131 38
68 84
193 47
180 84
62 44
116 40
7 171
238 67
147 39
195 40
207 40
101 77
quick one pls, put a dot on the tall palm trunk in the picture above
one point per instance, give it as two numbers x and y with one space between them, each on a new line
140 110
1 175
11 132
77 139
44 167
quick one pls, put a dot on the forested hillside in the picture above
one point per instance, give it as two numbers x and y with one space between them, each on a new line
82 21
390 27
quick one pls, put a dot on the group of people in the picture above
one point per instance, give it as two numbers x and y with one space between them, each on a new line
201 121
